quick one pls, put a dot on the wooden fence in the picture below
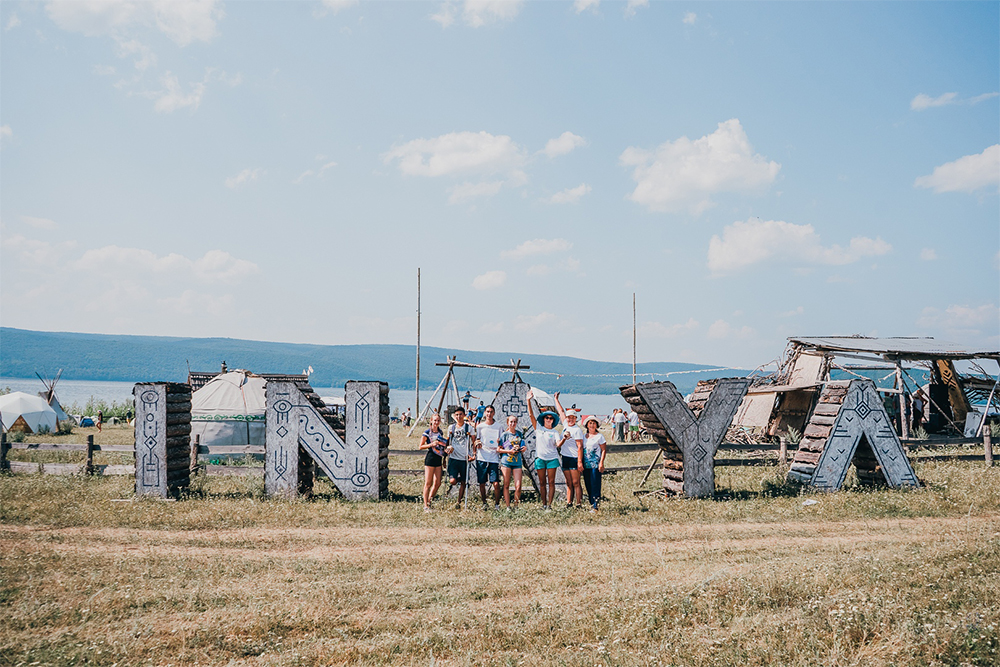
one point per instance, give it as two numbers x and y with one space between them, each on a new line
755 455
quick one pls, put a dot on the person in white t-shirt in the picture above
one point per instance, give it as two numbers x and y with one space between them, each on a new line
460 435
571 450
547 440
595 449
487 458
619 420
633 425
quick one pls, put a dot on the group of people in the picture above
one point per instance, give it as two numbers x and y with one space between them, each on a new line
621 421
496 453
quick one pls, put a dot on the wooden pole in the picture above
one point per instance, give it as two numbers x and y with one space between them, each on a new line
88 465
416 402
195 444
426 407
783 450
4 448
649 470
444 393
988 448
633 337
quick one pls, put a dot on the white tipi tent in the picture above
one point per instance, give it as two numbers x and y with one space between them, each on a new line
229 410
24 412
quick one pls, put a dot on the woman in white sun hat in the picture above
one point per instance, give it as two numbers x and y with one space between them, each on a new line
595 449
571 449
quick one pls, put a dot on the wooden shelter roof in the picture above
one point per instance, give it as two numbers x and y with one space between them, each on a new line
896 348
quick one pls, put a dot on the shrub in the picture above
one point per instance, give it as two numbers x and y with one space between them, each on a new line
65 427
794 436
15 436
920 434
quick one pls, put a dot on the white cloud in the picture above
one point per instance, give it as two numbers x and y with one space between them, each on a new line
563 144
6 132
336 6
490 280
961 317
689 18
793 312
966 174
35 253
537 247
928 254
633 5
213 266
39 223
304 175
467 191
144 58
478 13
183 21
580 6
657 330
746 243
534 322
244 177
309 172
191 302
455 153
13 22
173 97
721 329
923 102
569 265
570 196
685 173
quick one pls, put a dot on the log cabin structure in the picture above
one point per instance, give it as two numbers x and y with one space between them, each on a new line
783 402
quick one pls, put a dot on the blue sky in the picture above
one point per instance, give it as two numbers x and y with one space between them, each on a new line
278 171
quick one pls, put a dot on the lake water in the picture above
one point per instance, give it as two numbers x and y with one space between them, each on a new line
79 391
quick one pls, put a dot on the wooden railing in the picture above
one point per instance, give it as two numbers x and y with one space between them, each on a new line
757 455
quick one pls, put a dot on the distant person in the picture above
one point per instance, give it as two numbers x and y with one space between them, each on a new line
633 425
406 417
917 417
460 436
571 450
466 398
487 459
479 412
619 420
100 421
433 441
595 449
510 447
547 440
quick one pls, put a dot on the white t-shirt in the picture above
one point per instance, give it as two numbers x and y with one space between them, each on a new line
488 435
592 450
620 418
458 438
633 418
545 443
571 447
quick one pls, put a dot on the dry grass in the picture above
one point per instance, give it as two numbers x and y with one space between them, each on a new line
754 578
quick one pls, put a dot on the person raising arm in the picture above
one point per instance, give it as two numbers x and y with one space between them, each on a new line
572 454
547 442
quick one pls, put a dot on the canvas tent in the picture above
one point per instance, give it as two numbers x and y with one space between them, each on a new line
24 412
229 410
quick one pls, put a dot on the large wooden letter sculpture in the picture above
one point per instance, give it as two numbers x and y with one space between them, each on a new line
162 438
688 440
850 425
358 463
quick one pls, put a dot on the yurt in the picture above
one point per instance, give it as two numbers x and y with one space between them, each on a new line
24 412
229 410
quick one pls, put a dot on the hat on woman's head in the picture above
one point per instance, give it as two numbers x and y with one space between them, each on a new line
592 418
549 413
572 412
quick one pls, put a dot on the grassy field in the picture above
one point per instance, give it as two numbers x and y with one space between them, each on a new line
755 577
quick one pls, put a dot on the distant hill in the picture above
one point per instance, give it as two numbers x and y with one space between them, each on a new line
161 358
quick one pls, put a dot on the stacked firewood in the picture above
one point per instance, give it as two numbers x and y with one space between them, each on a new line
178 437
383 440
817 431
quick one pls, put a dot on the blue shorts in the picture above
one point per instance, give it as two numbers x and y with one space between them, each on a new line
458 469
545 464
487 471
